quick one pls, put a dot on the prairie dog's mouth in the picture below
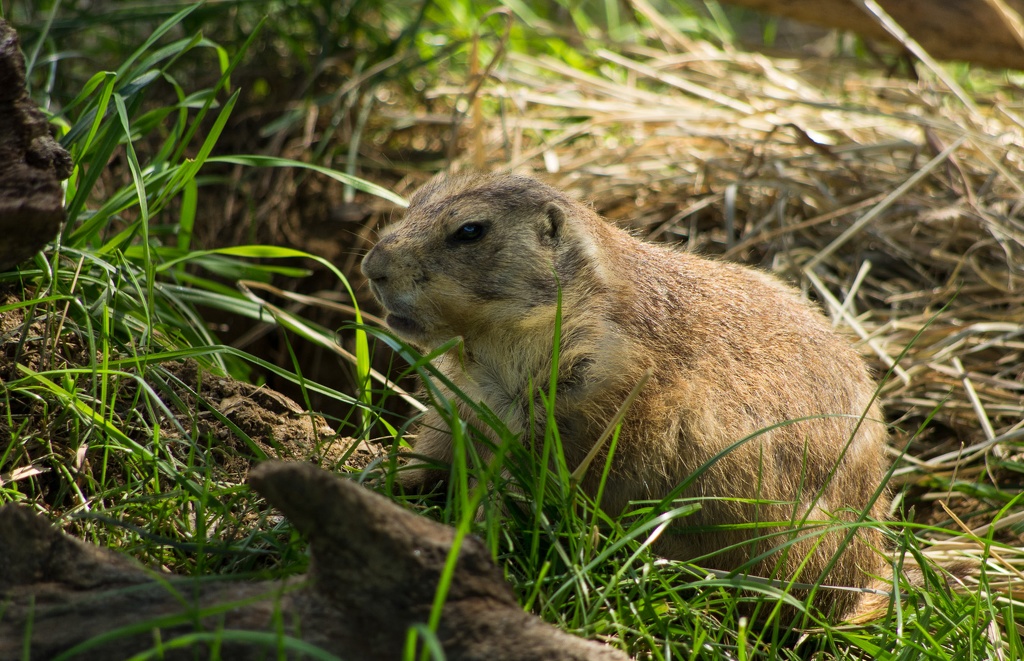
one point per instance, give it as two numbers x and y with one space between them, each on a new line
400 324
404 325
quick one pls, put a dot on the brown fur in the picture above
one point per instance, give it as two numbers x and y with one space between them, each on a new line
731 350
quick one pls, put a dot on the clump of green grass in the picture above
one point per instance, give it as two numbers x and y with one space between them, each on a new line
596 576
98 429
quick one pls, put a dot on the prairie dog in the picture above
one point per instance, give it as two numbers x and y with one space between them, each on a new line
731 350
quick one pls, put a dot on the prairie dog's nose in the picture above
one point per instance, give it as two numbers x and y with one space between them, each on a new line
375 264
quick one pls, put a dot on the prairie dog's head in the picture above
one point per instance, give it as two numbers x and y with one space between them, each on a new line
475 255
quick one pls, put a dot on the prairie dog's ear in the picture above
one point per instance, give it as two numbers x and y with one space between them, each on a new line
554 221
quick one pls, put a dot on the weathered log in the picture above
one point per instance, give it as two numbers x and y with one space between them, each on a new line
375 568
32 164
968 30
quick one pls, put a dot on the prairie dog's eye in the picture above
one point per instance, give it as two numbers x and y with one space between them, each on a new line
469 232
